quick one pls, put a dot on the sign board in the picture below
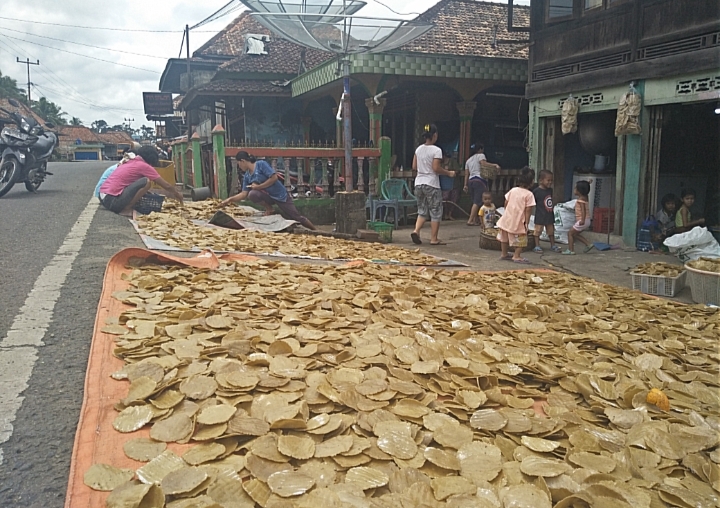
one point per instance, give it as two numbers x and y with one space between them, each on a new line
157 103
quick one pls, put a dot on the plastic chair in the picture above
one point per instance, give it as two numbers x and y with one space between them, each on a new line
397 189
374 205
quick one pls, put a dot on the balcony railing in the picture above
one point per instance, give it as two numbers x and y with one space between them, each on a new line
315 171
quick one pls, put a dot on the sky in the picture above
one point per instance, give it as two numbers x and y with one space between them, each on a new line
97 67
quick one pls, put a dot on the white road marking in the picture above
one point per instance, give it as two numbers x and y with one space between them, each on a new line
18 350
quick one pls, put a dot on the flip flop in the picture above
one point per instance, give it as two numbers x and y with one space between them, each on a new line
415 238
588 248
556 249
538 250
506 258
438 243
568 252
522 261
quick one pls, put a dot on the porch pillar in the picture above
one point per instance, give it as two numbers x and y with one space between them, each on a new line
467 111
340 163
196 161
182 157
634 176
376 115
219 168
306 122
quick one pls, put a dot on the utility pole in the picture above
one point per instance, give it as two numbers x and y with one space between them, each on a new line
28 63
189 85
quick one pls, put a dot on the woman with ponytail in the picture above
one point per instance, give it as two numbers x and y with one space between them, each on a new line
428 164
260 185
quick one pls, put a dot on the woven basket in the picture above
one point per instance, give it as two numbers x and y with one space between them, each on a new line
490 242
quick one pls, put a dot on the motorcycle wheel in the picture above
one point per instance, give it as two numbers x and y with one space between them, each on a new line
34 184
9 169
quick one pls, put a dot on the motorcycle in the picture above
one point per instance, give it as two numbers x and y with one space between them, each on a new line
24 151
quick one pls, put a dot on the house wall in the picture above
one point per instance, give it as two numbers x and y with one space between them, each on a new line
635 191
627 40
273 120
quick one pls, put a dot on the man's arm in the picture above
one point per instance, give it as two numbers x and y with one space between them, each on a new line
170 189
234 199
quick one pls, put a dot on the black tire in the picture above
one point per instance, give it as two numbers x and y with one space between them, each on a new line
9 169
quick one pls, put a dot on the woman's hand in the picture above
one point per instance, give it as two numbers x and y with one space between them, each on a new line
466 189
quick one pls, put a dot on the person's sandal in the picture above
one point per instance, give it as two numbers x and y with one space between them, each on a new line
555 248
538 250
588 248
568 252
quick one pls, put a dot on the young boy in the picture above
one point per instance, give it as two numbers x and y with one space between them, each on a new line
544 215
487 212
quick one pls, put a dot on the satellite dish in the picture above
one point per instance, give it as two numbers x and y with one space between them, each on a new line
345 35
328 9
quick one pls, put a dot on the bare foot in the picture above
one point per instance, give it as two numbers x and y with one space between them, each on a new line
269 212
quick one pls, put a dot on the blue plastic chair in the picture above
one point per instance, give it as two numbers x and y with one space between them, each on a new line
394 189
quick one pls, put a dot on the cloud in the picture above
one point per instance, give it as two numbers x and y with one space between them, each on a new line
92 89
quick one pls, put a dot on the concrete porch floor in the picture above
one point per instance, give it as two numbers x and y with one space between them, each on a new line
610 267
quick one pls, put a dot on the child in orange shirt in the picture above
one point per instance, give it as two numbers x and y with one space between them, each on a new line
513 224
582 218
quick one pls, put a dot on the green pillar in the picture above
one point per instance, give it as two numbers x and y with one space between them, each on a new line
218 140
196 161
385 160
183 163
633 178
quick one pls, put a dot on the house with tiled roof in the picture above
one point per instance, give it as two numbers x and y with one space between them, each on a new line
79 143
467 74
22 109
116 142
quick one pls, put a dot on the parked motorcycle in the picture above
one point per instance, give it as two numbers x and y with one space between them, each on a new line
25 150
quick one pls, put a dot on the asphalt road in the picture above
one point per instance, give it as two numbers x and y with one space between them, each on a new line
35 460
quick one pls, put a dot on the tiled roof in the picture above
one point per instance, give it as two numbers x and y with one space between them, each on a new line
115 137
229 41
250 86
70 133
283 58
467 28
23 110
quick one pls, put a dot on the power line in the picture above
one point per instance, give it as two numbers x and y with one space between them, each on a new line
45 89
396 12
217 14
82 44
80 54
51 76
105 29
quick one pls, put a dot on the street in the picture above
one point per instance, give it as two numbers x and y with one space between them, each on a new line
54 246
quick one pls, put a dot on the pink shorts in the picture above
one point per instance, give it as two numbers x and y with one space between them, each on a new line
583 227
513 240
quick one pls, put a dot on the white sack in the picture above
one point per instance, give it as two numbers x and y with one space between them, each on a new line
695 244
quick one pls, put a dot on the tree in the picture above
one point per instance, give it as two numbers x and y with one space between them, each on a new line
76 121
147 132
9 88
50 111
99 126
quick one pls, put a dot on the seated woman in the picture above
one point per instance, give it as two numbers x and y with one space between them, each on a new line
130 181
261 186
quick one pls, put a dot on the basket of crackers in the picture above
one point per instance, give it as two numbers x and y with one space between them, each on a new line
489 241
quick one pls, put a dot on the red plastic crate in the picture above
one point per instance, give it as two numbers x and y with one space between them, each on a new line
603 220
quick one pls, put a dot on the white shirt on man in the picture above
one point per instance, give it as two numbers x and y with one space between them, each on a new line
426 154
473 165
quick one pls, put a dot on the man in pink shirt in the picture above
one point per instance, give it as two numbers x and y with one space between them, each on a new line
131 181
